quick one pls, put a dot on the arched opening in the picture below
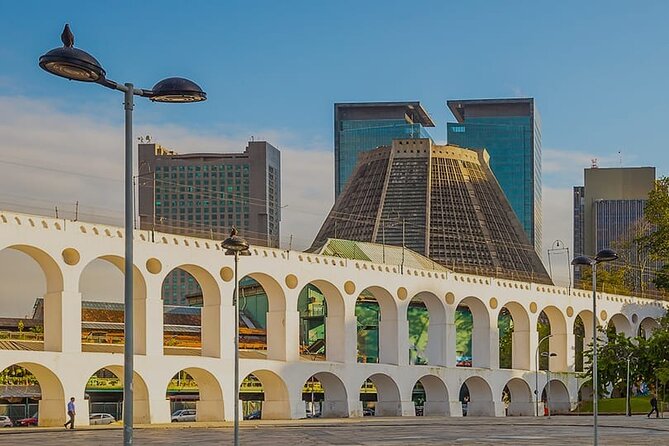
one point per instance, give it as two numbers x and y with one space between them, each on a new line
472 333
32 322
558 401
264 395
513 324
380 396
505 326
377 326
324 395
105 394
552 322
426 316
620 324
579 343
430 397
101 285
195 390
518 398
476 398
647 326
322 322
262 307
31 391
191 312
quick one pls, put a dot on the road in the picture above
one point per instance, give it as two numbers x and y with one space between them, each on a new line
567 430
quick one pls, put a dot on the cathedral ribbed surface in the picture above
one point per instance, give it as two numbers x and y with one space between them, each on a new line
440 201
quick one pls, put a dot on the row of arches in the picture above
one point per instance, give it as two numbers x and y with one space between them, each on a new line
272 397
425 329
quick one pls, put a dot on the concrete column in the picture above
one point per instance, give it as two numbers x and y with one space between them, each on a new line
521 350
437 408
494 346
62 322
394 341
52 412
449 344
211 410
341 346
559 344
341 408
571 349
279 410
455 408
149 326
395 409
437 344
485 409
227 316
211 331
481 347
520 409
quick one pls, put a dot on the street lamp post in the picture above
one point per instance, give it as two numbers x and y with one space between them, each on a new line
628 402
75 64
236 246
548 380
605 255
536 374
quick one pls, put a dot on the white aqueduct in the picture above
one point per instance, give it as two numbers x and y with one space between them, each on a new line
64 248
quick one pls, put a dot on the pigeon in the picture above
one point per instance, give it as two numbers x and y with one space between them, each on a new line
67 37
233 232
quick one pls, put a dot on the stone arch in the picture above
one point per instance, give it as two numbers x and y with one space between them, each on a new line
557 343
559 401
520 396
210 403
436 396
647 326
480 402
141 407
139 292
434 351
388 331
520 337
276 404
388 401
621 324
51 406
276 315
53 294
210 312
335 400
334 318
480 339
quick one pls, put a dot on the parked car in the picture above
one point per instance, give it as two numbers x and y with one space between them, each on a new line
5 421
183 415
368 412
253 415
101 418
31 421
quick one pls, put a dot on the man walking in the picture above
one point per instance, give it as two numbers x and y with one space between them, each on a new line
653 407
70 412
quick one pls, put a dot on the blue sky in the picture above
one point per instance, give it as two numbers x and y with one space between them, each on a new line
598 71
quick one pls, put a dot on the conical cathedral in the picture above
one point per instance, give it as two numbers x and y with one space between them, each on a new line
440 201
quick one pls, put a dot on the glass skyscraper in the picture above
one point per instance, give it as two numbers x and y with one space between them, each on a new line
510 130
360 127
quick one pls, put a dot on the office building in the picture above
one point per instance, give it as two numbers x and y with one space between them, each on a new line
510 131
607 209
359 127
206 194
442 202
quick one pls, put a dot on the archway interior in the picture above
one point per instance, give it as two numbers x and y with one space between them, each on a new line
419 396
367 313
505 327
253 308
182 391
464 325
183 299
21 392
368 397
419 321
251 395
312 307
543 330
313 396
104 390
579 342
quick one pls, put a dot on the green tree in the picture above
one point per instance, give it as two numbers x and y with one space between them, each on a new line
609 279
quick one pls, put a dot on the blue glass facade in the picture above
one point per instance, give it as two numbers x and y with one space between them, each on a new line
514 145
356 136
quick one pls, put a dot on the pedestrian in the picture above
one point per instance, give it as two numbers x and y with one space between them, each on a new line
653 407
71 413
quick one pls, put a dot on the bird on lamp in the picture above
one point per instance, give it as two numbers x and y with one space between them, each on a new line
67 37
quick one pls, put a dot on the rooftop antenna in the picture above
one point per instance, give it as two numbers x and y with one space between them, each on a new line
593 163
76 211
56 211
253 138
620 158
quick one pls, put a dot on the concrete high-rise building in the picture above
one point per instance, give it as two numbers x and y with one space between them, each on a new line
205 194
359 127
510 130
440 201
608 206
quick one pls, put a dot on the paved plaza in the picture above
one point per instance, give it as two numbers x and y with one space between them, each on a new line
565 430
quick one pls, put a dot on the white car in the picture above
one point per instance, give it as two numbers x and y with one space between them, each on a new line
101 418
5 421
183 415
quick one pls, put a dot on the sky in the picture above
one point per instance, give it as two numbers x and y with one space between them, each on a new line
272 70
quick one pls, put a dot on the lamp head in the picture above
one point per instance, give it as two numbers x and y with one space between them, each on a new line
583 260
235 244
72 63
177 89
606 255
